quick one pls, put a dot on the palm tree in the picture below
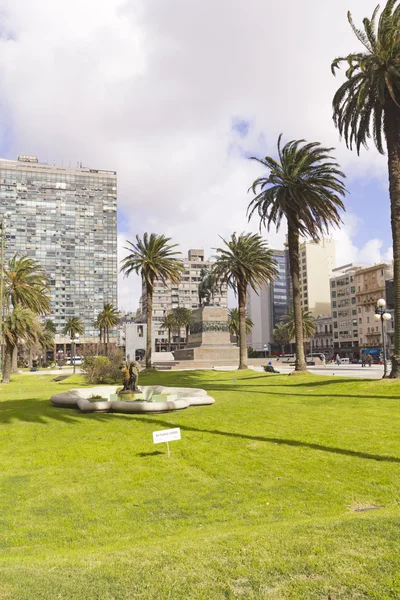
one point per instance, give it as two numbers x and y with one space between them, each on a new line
244 261
182 318
73 327
170 325
106 320
20 324
98 324
367 105
289 324
305 187
154 259
26 284
280 335
234 324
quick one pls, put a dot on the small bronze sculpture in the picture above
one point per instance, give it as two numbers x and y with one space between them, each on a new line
130 373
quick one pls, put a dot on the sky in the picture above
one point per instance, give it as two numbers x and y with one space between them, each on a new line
175 96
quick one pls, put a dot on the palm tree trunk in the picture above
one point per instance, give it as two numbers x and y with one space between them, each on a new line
187 335
169 339
293 241
242 327
8 350
149 321
392 132
14 366
107 338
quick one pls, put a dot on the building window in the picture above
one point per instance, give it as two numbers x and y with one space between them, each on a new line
334 304
333 283
333 294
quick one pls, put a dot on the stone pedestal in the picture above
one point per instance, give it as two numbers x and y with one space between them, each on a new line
209 337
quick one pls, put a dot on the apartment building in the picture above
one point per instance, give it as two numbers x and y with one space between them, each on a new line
322 340
345 328
317 261
66 218
371 286
186 294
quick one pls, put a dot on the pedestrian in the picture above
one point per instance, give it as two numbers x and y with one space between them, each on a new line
337 359
369 360
362 359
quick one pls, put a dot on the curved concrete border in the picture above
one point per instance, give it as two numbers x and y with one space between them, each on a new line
184 397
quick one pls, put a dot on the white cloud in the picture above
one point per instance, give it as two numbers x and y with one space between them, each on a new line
150 88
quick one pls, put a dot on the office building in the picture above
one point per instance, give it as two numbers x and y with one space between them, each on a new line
185 294
267 306
66 218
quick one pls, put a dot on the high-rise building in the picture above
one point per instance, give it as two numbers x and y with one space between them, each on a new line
66 218
317 261
185 294
346 340
267 306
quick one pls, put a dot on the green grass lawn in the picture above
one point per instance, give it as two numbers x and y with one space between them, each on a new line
288 487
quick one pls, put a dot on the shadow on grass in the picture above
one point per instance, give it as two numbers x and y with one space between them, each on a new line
282 441
31 410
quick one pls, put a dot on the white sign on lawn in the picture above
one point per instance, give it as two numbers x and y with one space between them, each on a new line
166 435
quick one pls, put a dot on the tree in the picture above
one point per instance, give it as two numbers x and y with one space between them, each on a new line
305 186
182 319
244 261
154 259
73 326
106 320
280 335
19 324
234 322
27 285
170 325
367 105
98 323
289 324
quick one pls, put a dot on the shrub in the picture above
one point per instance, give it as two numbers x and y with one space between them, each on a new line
103 369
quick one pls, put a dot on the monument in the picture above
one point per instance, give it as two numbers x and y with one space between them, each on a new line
209 337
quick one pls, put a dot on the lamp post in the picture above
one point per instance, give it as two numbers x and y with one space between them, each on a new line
382 316
74 341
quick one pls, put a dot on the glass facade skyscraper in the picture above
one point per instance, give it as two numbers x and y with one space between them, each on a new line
66 218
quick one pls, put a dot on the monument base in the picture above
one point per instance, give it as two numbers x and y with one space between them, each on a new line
209 337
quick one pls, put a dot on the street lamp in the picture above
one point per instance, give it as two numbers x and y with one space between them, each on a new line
382 316
74 341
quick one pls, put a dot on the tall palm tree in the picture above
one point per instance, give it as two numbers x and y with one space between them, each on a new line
289 324
367 105
182 318
280 335
170 325
98 324
27 284
234 324
305 186
74 326
154 259
244 261
19 324
106 320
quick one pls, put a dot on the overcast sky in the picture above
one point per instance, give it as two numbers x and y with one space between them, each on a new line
175 96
